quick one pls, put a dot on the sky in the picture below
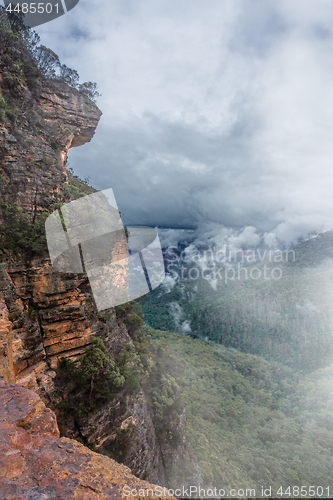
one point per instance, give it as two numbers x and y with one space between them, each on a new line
217 114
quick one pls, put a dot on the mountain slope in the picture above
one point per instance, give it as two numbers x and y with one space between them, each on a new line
250 423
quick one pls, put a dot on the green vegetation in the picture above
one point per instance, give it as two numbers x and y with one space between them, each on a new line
19 230
160 384
50 66
76 187
131 315
249 422
3 108
124 438
14 316
25 232
17 44
26 62
23 67
91 383
94 379
254 372
286 320
32 308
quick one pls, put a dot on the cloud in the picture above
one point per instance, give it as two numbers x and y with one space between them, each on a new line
216 116
169 283
182 325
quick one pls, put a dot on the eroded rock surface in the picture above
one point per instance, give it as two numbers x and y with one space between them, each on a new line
33 152
46 315
49 317
36 463
46 310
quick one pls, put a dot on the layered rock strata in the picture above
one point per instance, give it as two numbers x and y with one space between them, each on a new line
46 309
46 315
33 153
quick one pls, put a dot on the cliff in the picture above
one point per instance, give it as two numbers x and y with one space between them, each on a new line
33 149
46 315
35 462
46 309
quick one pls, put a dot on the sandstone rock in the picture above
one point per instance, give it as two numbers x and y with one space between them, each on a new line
54 320
60 324
35 463
46 310
6 349
74 109
35 166
143 454
46 315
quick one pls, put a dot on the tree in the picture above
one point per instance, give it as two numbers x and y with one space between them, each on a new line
47 62
90 90
93 383
22 60
69 76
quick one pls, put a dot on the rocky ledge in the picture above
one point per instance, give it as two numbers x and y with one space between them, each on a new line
36 464
33 153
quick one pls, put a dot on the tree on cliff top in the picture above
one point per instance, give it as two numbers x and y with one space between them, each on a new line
19 52
16 55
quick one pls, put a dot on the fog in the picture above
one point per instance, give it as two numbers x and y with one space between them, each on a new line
216 115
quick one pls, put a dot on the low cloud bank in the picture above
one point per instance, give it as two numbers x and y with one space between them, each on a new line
216 116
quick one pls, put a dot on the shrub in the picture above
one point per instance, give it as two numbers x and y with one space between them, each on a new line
91 383
131 315
21 231
122 443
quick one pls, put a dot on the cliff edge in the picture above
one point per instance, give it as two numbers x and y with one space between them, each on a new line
45 309
45 315
36 463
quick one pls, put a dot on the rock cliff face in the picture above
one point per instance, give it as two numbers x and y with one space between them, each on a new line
52 317
36 463
33 150
46 309
46 315
48 319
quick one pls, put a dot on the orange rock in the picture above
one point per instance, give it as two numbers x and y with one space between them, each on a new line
6 349
35 462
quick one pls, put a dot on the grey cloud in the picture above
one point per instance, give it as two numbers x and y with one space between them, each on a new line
216 116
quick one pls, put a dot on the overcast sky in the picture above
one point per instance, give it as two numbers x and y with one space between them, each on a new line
217 114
